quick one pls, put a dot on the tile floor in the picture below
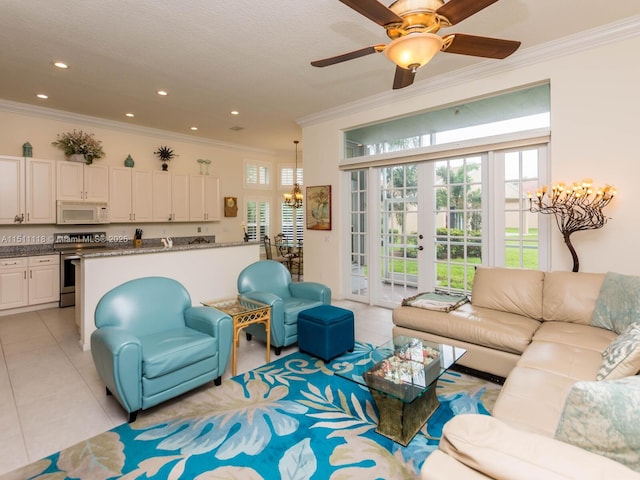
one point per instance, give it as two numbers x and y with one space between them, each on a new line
51 396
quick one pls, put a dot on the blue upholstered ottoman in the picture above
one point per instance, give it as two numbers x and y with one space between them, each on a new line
326 331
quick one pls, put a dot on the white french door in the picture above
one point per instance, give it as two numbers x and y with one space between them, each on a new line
388 240
424 226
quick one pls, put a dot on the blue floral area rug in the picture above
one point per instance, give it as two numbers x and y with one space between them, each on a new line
291 419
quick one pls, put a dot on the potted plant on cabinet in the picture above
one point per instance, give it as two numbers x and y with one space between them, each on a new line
165 154
79 146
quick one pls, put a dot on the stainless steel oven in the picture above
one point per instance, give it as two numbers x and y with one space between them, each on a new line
71 246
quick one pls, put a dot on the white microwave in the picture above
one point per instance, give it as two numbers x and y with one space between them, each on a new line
82 213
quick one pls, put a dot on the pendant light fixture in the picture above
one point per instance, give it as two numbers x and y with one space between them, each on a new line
294 199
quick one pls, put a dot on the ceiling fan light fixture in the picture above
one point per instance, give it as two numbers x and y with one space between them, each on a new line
414 50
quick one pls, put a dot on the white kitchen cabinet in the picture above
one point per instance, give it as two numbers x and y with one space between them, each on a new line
170 197
161 210
142 196
44 279
82 182
204 201
14 284
180 197
27 191
130 195
29 281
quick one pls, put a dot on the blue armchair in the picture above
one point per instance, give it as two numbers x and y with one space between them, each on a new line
152 345
270 282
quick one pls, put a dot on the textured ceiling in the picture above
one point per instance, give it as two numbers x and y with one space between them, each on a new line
249 55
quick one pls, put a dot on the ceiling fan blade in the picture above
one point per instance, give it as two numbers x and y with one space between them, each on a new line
479 46
403 78
347 56
374 10
457 10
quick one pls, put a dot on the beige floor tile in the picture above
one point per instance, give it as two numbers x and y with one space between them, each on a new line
13 453
30 345
15 328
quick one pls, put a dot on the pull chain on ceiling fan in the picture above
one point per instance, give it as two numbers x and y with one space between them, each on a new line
412 26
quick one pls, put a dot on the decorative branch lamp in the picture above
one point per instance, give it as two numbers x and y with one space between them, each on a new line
577 207
294 199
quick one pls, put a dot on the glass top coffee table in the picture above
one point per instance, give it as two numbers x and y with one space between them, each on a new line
402 375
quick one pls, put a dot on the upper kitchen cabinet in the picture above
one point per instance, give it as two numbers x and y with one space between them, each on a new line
131 195
170 197
204 200
82 182
27 191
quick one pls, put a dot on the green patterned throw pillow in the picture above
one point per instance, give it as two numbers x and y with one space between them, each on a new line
604 418
622 357
618 303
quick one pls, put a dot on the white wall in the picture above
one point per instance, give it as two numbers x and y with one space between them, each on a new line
22 123
207 274
594 108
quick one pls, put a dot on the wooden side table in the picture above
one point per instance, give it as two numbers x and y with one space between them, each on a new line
243 312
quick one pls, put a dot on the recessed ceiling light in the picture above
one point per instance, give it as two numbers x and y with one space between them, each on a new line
235 112
60 65
164 93
130 115
42 96
194 128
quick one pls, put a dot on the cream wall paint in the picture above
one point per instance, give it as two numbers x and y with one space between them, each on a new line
40 127
594 105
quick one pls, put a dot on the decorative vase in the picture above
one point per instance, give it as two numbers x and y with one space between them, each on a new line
77 157
165 167
129 162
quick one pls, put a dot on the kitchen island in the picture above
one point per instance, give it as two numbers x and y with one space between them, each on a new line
208 272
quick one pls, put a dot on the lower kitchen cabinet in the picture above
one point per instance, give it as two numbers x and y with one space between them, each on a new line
28 281
44 279
14 285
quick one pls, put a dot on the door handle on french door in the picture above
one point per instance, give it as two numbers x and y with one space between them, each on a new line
420 247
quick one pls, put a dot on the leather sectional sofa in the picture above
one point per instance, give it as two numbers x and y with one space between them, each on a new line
537 329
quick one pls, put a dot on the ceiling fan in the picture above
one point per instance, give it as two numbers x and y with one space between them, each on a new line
412 25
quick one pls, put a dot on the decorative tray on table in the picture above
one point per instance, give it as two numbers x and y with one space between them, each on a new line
406 372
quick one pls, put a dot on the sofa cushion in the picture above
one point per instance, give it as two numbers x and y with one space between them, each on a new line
570 296
533 399
166 352
575 335
573 362
499 451
622 357
509 290
604 418
503 331
618 303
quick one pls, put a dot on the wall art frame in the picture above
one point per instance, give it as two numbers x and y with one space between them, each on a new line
318 207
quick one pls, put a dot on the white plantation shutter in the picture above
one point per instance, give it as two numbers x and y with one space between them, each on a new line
257 174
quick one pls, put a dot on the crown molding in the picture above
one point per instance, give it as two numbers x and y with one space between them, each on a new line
569 45
60 115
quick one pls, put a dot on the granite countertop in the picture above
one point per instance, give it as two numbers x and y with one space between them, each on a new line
116 252
151 245
26 251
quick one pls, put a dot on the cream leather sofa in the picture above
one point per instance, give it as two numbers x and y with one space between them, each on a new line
533 328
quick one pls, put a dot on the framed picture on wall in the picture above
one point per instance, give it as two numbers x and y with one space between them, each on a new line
230 206
318 207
